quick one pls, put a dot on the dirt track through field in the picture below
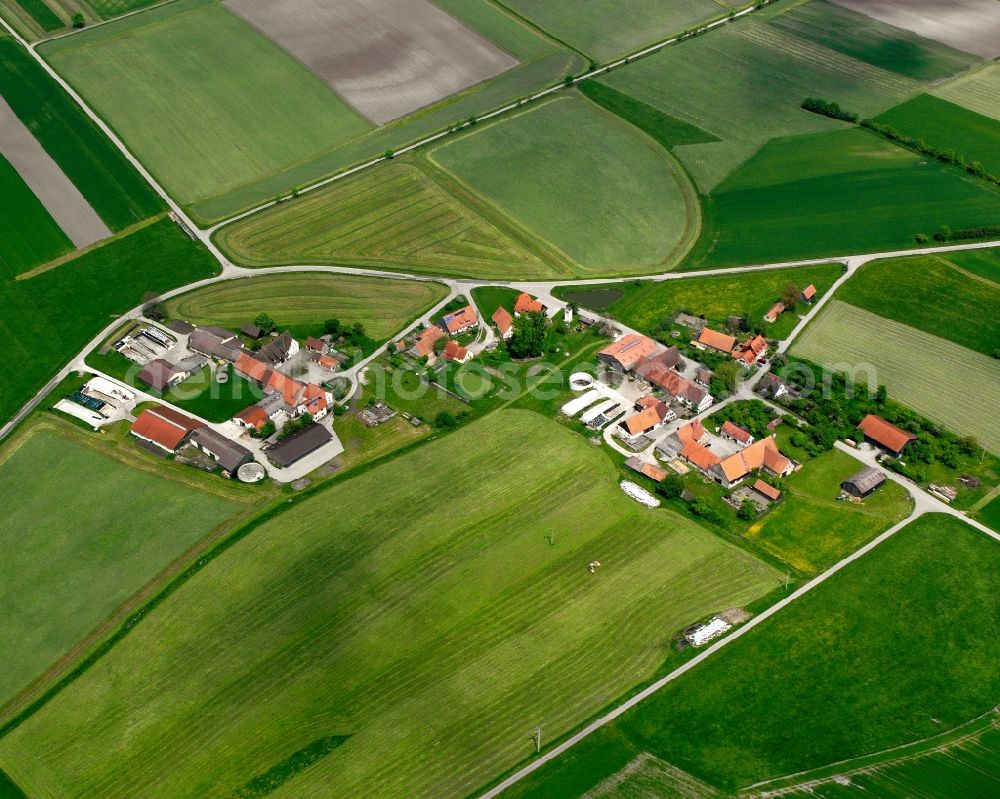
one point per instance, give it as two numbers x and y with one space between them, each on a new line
387 58
44 177
969 25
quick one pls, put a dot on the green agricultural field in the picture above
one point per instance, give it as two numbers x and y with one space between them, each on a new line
811 530
261 112
113 188
81 541
113 8
667 130
699 83
307 300
978 90
949 384
49 318
984 263
395 616
29 236
948 127
489 298
606 30
989 514
41 14
716 298
393 216
832 193
842 672
939 769
876 43
572 174
967 313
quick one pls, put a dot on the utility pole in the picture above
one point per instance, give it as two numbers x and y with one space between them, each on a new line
787 577
537 735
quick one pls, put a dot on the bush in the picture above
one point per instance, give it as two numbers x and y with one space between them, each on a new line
78 20
671 487
748 510
265 323
445 420
828 109
703 510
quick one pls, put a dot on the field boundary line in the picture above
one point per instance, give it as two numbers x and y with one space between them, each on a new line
101 22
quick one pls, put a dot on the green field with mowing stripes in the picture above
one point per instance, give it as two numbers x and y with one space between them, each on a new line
978 91
113 188
966 312
948 127
949 384
582 180
394 216
832 193
42 14
29 236
234 109
383 306
606 30
77 544
744 85
112 8
842 672
417 609
873 42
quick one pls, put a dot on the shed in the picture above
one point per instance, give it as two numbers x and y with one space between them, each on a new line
298 445
251 330
864 482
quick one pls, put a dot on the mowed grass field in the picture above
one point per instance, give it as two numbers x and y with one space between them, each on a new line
395 215
720 296
949 384
970 767
582 180
29 236
418 609
604 31
49 318
811 530
844 671
832 193
383 306
744 85
949 127
874 42
82 532
119 195
966 312
235 108
978 90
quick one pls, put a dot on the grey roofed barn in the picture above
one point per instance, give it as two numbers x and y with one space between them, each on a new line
298 445
864 482
229 455
207 341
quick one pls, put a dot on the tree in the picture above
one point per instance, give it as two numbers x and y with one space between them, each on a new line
881 395
445 419
747 511
968 445
389 154
672 486
78 20
728 374
265 323
440 344
358 330
333 327
790 296
265 431
528 338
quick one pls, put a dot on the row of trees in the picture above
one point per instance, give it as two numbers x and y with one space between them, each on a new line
915 143
828 109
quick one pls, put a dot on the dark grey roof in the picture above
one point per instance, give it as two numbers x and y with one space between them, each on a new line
206 342
250 329
158 373
180 326
866 480
192 363
227 452
277 349
222 332
298 445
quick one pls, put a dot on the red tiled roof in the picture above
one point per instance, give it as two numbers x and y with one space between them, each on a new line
644 419
693 431
255 416
503 320
776 310
716 340
454 351
700 456
425 341
250 367
735 431
314 398
461 319
328 361
762 453
289 388
630 349
884 433
767 490
164 426
809 292
315 344
527 304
